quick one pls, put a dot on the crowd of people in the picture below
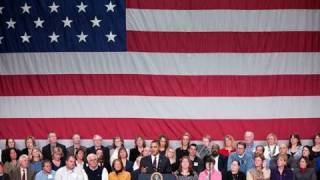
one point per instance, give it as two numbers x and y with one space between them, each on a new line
236 160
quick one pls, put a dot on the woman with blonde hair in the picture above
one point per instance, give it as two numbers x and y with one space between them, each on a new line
272 148
229 146
171 155
36 160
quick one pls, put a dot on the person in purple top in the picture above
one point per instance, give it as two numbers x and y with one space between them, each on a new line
281 172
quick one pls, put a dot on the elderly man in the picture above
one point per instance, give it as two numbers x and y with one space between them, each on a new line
70 171
94 171
23 172
249 140
76 145
53 142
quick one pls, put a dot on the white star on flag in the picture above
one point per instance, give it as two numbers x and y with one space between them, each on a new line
11 24
39 23
82 7
110 7
67 22
111 36
25 8
82 37
54 7
95 22
25 38
54 37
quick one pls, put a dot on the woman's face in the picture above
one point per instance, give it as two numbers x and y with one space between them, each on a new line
185 140
258 162
228 142
293 140
234 166
170 153
35 153
117 166
317 140
163 142
305 152
140 142
281 162
29 143
123 154
118 142
57 155
209 165
271 140
303 163
80 155
11 143
99 153
185 163
13 154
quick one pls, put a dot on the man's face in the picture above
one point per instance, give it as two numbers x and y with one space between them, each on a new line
283 149
215 149
259 150
206 141
70 163
97 141
47 167
93 162
154 149
24 162
192 151
240 149
248 137
76 139
52 138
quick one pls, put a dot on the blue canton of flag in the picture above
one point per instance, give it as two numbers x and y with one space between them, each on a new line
62 26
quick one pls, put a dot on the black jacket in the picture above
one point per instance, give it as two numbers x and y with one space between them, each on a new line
164 166
47 154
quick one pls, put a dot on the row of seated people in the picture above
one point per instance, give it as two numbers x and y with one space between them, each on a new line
241 161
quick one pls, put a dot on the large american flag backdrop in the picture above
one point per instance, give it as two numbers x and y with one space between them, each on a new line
151 67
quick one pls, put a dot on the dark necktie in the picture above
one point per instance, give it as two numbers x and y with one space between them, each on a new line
23 175
154 164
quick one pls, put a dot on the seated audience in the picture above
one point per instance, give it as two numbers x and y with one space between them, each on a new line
123 156
295 149
155 162
304 172
118 172
3 175
80 158
316 146
197 163
283 149
220 160
281 172
306 152
164 144
12 162
171 155
139 144
23 172
228 148
47 151
57 156
245 159
30 143
185 171
5 154
204 149
97 144
117 143
70 172
249 140
46 173
35 161
102 160
93 170
210 173
183 149
271 149
234 173
71 150
259 171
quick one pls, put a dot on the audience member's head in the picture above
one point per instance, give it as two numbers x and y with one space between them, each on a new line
272 139
117 142
70 162
282 160
209 163
192 150
76 138
215 149
316 139
228 141
30 142
23 161
10 143
185 164
206 140
306 152
117 166
52 138
97 141
146 151
294 140
283 149
303 163
259 149
80 155
258 160
139 142
46 166
164 142
36 154
171 154
185 139
248 137
235 166
57 153
122 153
92 160
241 147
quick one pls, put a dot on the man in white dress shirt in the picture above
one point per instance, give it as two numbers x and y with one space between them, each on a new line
70 171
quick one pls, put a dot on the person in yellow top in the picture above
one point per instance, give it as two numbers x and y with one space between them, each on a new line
118 172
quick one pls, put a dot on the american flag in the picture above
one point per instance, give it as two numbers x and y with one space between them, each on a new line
151 67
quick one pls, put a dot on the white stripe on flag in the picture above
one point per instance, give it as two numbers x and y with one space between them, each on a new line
222 20
160 107
160 63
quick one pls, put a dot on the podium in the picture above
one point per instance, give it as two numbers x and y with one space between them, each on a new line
165 177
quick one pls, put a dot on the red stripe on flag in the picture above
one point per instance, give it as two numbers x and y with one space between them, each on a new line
159 85
223 4
197 42
152 128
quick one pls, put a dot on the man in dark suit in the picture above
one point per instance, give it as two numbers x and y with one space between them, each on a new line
48 149
197 163
76 145
155 162
221 161
23 172
97 144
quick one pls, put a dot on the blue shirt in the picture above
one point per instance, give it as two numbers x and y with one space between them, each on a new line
44 176
36 166
246 162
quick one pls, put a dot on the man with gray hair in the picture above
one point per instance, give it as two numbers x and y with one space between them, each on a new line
23 172
94 171
97 144
249 140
